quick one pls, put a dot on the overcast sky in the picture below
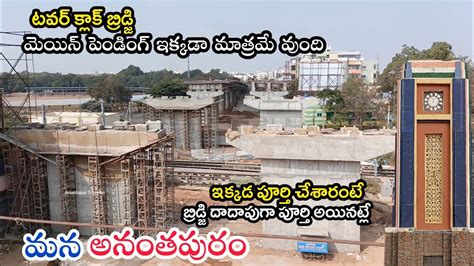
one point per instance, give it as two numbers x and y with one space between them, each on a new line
376 28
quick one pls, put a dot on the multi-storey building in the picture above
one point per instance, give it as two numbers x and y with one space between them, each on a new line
331 69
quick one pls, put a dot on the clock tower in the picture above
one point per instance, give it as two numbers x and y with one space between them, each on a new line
432 202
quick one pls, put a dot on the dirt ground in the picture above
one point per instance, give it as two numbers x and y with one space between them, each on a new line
257 255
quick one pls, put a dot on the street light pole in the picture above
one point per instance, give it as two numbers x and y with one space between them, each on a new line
388 117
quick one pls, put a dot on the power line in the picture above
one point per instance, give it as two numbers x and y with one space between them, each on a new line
16 33
9 44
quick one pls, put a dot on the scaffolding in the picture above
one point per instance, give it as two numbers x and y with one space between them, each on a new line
150 113
157 115
8 165
139 168
21 71
168 169
146 175
21 185
186 129
39 182
159 186
318 74
99 209
205 117
214 125
67 187
152 189
27 189
205 128
130 192
209 126
172 121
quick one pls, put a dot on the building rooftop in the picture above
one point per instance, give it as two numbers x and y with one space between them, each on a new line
434 69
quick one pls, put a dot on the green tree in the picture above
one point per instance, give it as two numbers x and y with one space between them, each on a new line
217 74
439 51
169 87
333 106
339 119
292 89
132 76
333 101
358 99
194 74
387 81
131 70
110 90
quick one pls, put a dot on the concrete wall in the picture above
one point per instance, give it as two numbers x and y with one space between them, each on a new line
109 142
115 201
195 133
349 148
114 194
78 118
205 87
324 160
268 86
195 139
273 104
227 98
269 94
287 112
321 173
54 196
218 96
290 119
83 196
295 168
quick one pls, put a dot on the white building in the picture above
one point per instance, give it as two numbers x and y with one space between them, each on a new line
261 75
244 77
331 69
370 71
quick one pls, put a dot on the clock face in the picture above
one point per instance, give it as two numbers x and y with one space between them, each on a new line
433 101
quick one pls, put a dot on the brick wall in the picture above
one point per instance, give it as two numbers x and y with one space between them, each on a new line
410 247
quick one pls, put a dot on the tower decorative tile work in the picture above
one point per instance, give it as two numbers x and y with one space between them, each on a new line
432 201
